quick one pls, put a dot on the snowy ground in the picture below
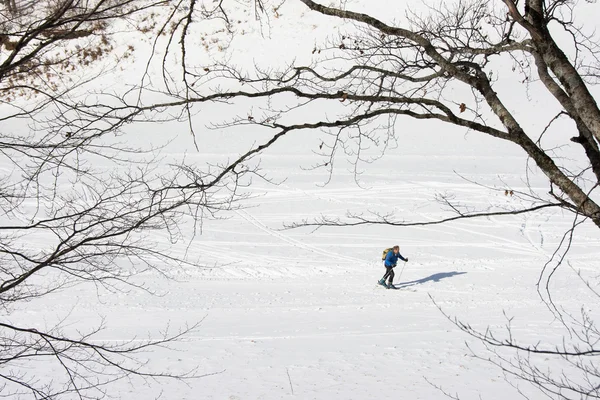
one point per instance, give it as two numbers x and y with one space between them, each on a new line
295 314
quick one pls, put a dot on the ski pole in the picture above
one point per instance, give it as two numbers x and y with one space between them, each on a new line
401 271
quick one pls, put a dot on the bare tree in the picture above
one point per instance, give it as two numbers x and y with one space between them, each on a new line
374 75
65 221
383 71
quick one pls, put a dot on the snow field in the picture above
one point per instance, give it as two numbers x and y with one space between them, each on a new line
298 314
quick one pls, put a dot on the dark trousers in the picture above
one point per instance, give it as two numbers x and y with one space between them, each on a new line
389 273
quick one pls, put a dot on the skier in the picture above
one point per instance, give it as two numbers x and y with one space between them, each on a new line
390 262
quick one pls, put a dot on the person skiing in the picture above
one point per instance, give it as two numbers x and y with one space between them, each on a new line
391 259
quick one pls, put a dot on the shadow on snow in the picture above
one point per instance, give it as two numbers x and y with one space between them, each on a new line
432 278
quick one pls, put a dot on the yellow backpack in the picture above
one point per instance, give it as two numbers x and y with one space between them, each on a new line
385 253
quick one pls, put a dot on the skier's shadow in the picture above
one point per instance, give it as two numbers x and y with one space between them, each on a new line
432 278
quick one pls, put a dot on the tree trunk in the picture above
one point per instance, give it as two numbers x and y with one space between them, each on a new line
580 96
586 206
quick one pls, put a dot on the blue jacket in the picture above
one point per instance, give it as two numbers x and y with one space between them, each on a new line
391 259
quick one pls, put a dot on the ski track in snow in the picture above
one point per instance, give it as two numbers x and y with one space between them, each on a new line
293 242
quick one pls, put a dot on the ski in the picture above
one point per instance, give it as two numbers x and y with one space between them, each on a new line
405 288
394 287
